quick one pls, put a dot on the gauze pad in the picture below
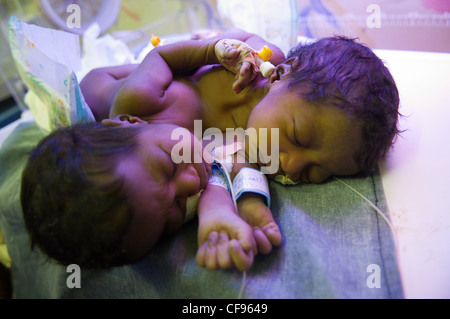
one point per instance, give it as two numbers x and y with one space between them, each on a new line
282 179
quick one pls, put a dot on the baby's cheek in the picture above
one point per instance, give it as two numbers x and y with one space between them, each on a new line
318 175
175 219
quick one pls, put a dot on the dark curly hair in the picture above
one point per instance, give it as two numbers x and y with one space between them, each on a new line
74 205
342 72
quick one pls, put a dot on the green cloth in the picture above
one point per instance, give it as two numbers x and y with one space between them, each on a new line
331 240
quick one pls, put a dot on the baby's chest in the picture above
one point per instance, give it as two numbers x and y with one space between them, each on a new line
222 107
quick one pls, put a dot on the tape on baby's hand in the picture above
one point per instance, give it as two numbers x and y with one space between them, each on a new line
250 180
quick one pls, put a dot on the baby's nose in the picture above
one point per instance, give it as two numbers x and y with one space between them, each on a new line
292 167
188 182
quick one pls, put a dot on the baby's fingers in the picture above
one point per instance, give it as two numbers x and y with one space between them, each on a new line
211 251
207 252
246 75
223 253
266 238
230 55
262 242
214 253
241 259
245 69
200 257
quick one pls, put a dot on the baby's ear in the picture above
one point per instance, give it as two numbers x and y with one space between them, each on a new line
288 66
123 119
294 62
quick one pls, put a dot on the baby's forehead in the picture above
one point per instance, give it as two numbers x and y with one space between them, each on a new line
143 176
337 130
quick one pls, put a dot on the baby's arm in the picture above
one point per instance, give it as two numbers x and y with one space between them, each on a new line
253 209
184 57
143 91
224 239
100 86
228 238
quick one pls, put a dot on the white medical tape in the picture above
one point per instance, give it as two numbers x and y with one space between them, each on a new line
250 180
218 178
221 178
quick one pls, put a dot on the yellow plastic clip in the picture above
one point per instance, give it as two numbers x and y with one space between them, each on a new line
155 40
265 53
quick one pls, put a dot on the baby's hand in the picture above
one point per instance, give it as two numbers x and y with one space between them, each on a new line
255 212
237 57
225 240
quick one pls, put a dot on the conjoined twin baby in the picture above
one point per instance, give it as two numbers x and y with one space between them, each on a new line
197 125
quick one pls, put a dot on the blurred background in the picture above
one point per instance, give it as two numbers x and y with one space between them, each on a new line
420 25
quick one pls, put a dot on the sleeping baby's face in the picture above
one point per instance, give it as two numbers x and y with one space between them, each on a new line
157 187
315 141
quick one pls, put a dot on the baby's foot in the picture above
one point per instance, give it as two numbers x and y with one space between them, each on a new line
254 211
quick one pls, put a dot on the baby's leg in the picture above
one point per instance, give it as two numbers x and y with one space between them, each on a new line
253 210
